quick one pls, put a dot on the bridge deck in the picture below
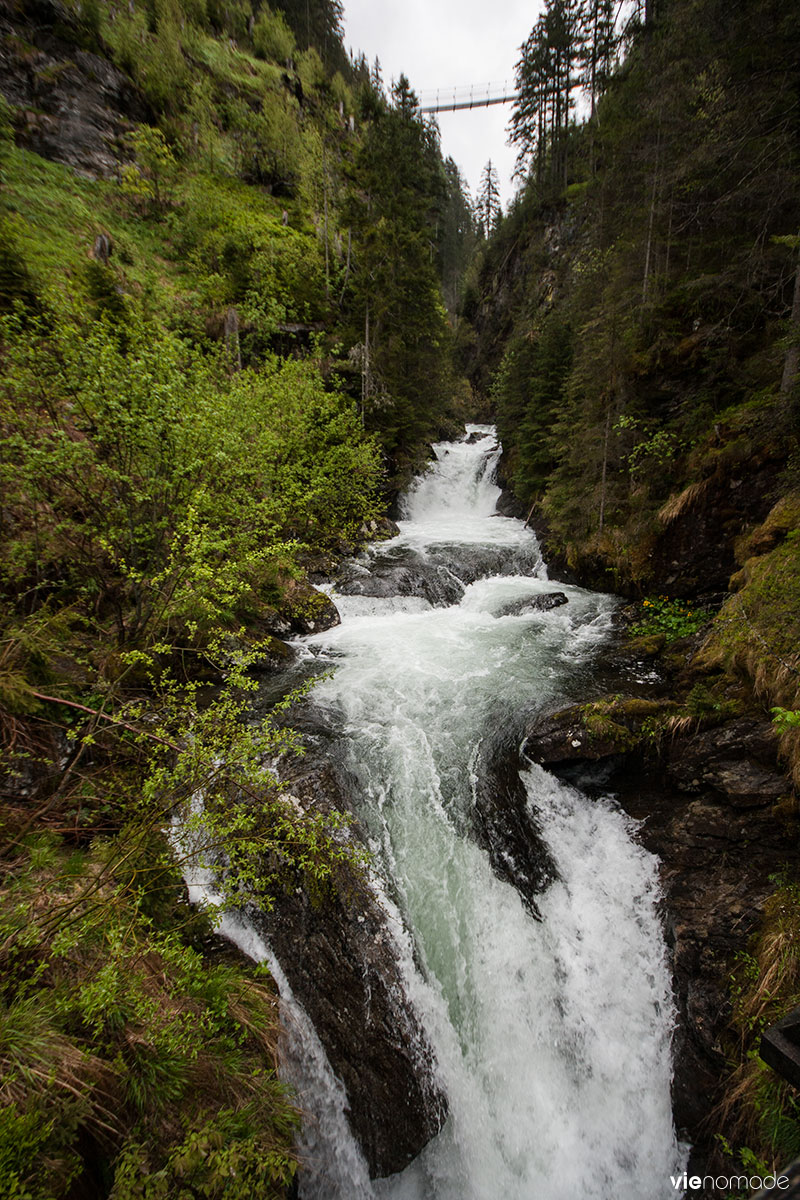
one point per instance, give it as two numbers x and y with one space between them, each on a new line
473 102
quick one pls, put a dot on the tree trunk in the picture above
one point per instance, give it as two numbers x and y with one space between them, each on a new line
792 361
365 372
605 470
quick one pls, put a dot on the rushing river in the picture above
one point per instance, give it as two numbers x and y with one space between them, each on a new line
552 1036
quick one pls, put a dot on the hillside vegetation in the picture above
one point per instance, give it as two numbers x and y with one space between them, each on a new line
222 342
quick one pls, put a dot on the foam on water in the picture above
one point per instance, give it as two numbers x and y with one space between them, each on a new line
552 1037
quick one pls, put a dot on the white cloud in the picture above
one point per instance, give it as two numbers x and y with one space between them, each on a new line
447 43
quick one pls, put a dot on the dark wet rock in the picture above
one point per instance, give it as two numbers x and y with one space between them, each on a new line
695 553
272 623
430 582
599 729
73 106
509 506
473 438
480 562
541 603
505 825
339 957
736 759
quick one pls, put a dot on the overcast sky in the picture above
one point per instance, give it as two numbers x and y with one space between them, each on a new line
444 43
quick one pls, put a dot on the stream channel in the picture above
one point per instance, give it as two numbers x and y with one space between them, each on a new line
551 1030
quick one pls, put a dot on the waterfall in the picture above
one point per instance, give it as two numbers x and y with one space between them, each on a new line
552 1035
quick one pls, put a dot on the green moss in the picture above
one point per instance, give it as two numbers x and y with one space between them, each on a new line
648 645
758 628
621 720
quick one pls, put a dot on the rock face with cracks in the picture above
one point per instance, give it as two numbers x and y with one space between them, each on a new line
340 958
73 106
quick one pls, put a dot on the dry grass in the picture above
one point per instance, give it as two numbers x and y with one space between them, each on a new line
684 501
759 1110
36 1058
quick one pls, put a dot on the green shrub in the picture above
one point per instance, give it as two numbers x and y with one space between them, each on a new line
272 37
673 618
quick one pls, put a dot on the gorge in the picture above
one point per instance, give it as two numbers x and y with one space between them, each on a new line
530 944
498 789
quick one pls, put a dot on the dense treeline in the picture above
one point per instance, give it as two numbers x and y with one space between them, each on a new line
214 357
634 323
645 295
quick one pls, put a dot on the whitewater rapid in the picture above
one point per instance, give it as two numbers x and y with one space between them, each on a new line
552 1036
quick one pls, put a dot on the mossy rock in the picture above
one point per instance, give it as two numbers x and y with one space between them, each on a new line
781 520
618 721
601 729
306 609
647 646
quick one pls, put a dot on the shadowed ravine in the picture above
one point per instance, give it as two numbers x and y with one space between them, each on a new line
548 1003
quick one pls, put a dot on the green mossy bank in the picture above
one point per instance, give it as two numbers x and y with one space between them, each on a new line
222 344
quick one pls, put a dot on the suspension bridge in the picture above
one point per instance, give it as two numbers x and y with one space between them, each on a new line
470 95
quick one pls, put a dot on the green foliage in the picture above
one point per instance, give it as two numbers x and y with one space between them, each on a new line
785 719
757 628
650 453
763 1110
148 180
527 392
706 702
115 442
644 234
672 618
394 301
458 237
272 37
121 1024
242 253
159 504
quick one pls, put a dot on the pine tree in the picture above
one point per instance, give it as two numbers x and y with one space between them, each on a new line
393 298
489 199
457 235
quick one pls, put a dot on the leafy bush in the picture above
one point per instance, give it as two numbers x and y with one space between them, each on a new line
673 618
167 492
272 37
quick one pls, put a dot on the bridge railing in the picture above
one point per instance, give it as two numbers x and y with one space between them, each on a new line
463 96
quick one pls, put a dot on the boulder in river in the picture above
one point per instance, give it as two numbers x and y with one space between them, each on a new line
590 732
429 581
307 609
541 603
505 826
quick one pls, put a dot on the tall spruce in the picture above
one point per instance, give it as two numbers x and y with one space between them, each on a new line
489 200
397 196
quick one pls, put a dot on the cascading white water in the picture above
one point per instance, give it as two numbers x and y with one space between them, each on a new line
552 1037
